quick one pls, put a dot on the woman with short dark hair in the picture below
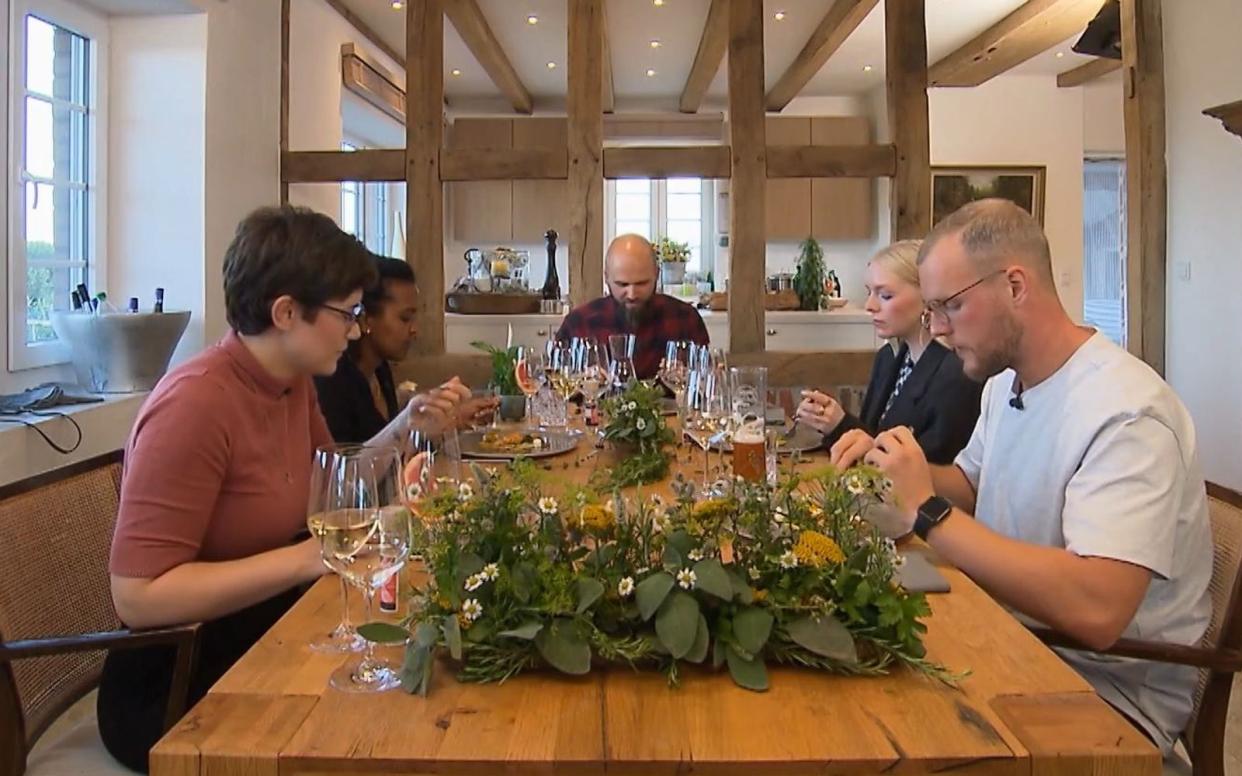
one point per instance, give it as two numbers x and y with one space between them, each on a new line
218 464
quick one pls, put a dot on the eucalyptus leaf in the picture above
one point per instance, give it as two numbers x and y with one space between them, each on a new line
750 674
710 577
672 559
426 634
698 652
742 591
479 632
651 592
751 627
522 579
414 675
383 633
589 590
452 635
682 541
468 564
824 636
718 653
525 631
563 648
677 623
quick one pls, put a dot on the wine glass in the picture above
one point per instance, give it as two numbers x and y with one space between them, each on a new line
367 534
621 361
528 372
707 410
675 372
563 374
590 364
342 638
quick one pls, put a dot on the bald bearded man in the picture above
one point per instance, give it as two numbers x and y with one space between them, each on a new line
632 306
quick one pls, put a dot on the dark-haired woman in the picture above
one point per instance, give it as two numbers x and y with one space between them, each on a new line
218 464
360 398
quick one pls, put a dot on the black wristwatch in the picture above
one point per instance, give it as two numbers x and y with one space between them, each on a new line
931 513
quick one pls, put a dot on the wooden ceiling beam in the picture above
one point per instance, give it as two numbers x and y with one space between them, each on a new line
386 164
832 161
367 31
838 24
1088 72
610 94
667 162
503 164
1230 115
468 20
1031 29
707 60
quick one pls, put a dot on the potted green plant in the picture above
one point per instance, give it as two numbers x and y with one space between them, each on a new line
672 256
808 281
504 381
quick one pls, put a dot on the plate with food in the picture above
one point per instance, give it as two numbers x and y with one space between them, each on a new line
505 444
803 439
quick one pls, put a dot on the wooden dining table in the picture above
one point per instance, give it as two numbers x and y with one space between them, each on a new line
1018 709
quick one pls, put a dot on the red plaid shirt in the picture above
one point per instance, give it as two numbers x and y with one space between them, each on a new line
666 319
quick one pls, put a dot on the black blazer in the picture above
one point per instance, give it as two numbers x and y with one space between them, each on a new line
345 399
937 401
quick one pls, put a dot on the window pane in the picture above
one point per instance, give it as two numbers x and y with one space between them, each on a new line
56 216
685 207
685 185
635 227
39 138
56 141
634 186
349 208
633 207
40 55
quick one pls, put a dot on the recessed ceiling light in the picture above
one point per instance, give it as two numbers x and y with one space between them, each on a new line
655 44
1060 54
779 16
455 71
551 65
397 5
657 3
650 73
532 19
866 68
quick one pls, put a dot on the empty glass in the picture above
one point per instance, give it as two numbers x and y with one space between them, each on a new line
707 411
621 361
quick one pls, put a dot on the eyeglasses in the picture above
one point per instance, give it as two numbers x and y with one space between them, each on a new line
350 316
939 308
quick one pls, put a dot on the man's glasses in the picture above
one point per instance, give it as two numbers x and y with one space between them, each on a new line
939 308
350 316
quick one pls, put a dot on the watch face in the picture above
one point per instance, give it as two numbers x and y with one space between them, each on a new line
935 509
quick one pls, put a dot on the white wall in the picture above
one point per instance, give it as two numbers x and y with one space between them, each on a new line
1203 67
1023 120
155 181
1103 117
321 111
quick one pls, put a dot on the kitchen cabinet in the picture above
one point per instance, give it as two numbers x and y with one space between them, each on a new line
482 211
842 208
788 212
540 205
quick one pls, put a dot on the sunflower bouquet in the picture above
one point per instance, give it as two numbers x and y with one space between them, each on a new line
520 578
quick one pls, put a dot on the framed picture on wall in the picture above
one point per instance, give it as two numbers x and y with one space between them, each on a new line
953 187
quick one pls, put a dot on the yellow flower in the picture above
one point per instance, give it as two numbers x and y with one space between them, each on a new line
712 508
760 596
815 549
593 517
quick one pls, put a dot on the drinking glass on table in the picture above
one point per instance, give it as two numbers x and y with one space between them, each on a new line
562 374
591 365
366 534
528 372
707 411
675 372
748 391
342 638
621 361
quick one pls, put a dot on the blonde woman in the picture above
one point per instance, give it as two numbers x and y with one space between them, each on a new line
915 380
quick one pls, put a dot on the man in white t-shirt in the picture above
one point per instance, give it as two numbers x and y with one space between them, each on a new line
1090 513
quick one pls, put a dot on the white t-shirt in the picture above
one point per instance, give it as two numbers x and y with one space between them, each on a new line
1101 461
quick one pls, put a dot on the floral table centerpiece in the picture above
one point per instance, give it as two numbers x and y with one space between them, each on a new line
635 427
521 578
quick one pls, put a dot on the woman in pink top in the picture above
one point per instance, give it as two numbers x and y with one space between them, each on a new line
217 467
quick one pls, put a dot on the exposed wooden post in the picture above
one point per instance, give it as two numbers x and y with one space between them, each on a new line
905 33
610 94
586 150
424 130
748 189
1142 53
284 94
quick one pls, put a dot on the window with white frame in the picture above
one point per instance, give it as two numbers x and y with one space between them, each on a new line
58 132
364 210
677 208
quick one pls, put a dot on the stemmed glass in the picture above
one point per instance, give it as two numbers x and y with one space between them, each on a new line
675 372
707 410
342 638
366 533
591 367
562 373
621 361
529 374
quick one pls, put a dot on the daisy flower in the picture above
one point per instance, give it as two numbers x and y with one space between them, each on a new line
548 505
465 492
789 560
696 554
640 424
474 582
472 609
855 485
686 578
490 572
625 587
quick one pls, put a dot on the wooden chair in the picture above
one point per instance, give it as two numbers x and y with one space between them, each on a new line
56 614
1218 656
